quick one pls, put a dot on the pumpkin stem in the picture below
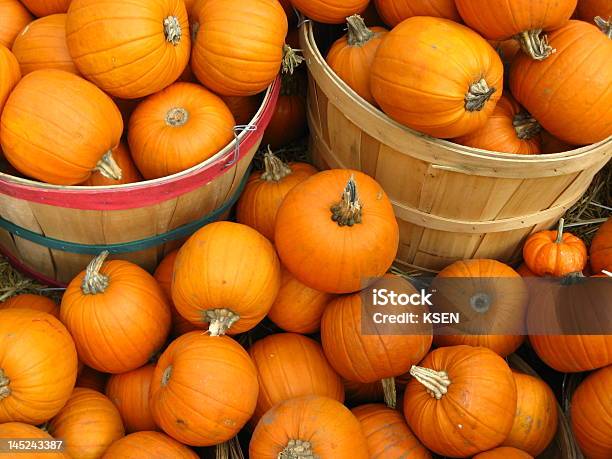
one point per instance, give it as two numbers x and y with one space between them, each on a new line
526 126
172 30
166 376
5 390
348 211
297 449
478 95
275 168
480 302
605 26
95 282
177 117
573 278
229 450
220 320
436 382
108 167
534 44
390 392
291 60
559 239
358 33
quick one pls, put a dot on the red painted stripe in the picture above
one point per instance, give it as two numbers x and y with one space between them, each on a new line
142 194
30 272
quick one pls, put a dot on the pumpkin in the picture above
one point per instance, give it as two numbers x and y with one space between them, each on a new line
63 153
14 18
554 253
352 56
129 173
89 423
561 99
601 248
38 366
130 394
508 130
228 275
129 49
455 96
330 11
462 400
504 452
118 315
524 271
89 378
588 10
196 371
573 353
30 301
18 430
387 433
551 144
238 61
148 444
591 414
243 108
46 7
290 365
266 190
501 20
177 128
293 428
492 300
298 308
395 11
357 393
9 74
337 230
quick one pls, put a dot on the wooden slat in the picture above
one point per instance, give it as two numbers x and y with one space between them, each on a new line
369 151
344 138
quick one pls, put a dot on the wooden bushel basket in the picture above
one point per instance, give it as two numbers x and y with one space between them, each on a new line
451 202
51 232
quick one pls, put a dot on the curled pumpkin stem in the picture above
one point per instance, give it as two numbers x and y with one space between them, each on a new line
358 33
275 169
172 30
526 126
221 320
559 239
297 449
94 281
108 167
534 44
5 390
291 60
478 95
436 382
605 26
177 117
390 392
348 211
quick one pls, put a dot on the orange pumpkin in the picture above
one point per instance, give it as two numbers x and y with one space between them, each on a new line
461 401
148 444
14 18
504 452
454 96
524 271
89 378
336 231
228 275
118 315
357 393
30 301
46 7
587 10
129 173
395 11
387 433
38 366
266 190
199 370
573 353
63 153
238 61
601 248
18 430
9 74
129 49
177 128
89 423
293 429
330 11
243 108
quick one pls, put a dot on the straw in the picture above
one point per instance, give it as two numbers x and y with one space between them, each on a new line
12 283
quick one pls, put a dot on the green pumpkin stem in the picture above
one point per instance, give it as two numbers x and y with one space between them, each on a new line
358 33
108 167
275 169
478 95
291 60
534 44
172 30
605 26
220 320
526 126
5 390
297 449
436 382
559 239
390 392
348 211
95 282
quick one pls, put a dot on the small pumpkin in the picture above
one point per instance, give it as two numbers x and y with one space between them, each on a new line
455 96
601 248
117 313
554 253
20 431
15 17
293 429
88 378
46 7
35 388
337 230
227 275
89 423
395 11
148 444
10 74
65 153
243 108
330 11
588 10
504 452
178 128
30 301
462 400
266 190
129 172
196 371
524 271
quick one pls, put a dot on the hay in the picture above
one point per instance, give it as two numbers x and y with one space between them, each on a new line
12 283
296 152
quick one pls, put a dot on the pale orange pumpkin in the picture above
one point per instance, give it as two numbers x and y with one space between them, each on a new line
20 431
504 452
148 445
31 301
46 7
15 17
10 74
129 172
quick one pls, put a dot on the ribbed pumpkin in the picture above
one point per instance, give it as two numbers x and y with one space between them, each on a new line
38 366
88 378
330 11
291 365
130 394
30 301
10 74
129 172
601 248
504 452
387 433
563 91
588 10
42 45
524 271
591 414
508 130
454 94
18 430
196 371
117 313
266 190
129 49
228 275
46 7
395 11
65 152
492 300
148 444
14 18
89 423
336 231
501 20
352 56
461 401
293 429
243 108
573 353
178 128
238 45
